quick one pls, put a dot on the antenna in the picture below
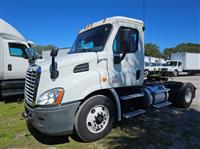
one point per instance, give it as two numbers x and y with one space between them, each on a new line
144 15
144 6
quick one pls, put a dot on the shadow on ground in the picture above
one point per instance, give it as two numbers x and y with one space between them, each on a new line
166 128
48 140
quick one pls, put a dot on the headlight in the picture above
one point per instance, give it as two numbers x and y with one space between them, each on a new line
53 96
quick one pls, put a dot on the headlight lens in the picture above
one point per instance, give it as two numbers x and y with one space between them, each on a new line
53 96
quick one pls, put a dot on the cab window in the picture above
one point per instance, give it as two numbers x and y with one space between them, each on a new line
18 50
134 46
179 64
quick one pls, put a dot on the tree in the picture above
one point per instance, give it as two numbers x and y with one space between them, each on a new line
40 48
182 47
152 50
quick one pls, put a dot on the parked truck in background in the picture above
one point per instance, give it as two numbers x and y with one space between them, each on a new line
152 68
152 65
13 60
100 81
181 63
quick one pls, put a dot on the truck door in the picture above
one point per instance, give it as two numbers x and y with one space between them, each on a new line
16 60
130 71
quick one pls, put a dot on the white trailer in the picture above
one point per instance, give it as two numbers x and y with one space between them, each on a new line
13 60
98 83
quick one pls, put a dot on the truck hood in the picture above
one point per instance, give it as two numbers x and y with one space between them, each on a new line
169 67
69 60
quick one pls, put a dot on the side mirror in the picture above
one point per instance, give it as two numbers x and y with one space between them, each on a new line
125 43
125 40
117 59
31 56
54 52
25 56
53 68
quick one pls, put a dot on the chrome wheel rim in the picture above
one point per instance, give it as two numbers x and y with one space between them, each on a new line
97 119
188 95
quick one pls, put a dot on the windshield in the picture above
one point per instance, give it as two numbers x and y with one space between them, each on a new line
92 40
171 63
146 64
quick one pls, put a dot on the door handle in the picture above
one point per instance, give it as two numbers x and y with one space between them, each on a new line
9 67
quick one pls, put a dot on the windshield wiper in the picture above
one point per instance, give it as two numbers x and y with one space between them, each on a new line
95 49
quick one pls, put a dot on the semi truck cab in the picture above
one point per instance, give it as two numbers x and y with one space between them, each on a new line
99 82
13 60
174 67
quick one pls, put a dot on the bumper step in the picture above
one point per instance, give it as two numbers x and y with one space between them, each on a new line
161 105
134 113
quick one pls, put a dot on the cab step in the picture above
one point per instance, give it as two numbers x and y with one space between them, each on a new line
136 95
161 105
134 113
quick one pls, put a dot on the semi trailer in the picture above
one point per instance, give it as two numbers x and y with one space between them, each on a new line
13 60
100 81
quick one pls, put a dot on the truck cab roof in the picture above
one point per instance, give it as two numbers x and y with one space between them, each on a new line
7 31
112 20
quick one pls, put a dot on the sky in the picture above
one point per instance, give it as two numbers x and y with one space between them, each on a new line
57 22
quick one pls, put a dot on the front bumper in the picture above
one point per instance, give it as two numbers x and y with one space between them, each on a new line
53 121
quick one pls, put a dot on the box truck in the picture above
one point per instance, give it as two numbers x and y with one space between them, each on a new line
100 81
13 60
181 63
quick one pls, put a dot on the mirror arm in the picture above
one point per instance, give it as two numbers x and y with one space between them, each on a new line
123 56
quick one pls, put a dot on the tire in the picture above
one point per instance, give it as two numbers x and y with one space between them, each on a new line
185 95
146 72
181 94
175 73
94 119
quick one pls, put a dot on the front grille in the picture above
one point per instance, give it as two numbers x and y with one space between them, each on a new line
164 69
31 84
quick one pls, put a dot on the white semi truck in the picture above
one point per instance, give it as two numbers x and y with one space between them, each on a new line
98 83
181 63
13 60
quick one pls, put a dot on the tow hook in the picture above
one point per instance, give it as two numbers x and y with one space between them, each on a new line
25 115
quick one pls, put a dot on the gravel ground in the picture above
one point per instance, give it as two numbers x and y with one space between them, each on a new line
169 127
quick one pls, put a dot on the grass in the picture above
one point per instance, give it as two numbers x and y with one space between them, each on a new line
14 133
168 128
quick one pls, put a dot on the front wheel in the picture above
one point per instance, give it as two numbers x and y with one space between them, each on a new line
95 118
146 72
175 73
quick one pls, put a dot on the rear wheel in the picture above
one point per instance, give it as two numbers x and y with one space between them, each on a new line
181 94
185 96
94 119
